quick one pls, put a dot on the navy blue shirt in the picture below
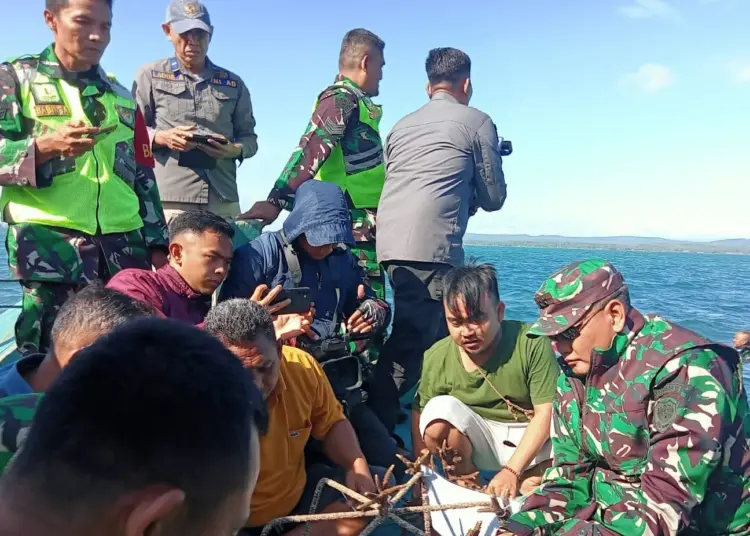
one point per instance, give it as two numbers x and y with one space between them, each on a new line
11 376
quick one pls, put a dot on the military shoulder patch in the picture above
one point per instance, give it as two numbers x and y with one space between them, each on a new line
161 75
344 102
665 413
126 115
375 111
51 110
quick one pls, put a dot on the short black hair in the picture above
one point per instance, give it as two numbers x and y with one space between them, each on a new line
56 5
469 284
238 321
355 45
156 401
447 65
199 221
95 309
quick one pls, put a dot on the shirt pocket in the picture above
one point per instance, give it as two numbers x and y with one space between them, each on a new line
298 437
171 98
626 429
221 102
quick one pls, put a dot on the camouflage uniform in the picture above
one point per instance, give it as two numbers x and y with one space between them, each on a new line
16 415
654 441
335 120
53 262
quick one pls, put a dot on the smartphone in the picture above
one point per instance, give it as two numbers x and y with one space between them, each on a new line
301 300
203 138
104 131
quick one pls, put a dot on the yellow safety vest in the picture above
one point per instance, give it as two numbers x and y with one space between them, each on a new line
96 192
361 175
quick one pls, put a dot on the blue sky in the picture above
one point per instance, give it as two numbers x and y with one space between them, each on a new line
627 117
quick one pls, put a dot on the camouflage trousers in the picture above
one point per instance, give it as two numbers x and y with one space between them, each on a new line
375 278
52 263
39 307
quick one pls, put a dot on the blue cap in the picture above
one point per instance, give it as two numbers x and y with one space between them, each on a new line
186 15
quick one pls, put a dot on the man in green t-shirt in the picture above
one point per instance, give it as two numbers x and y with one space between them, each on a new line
487 389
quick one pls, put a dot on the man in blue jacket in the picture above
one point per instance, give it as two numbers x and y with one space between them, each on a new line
311 251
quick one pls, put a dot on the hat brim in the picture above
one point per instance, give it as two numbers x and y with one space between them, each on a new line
326 234
183 26
549 326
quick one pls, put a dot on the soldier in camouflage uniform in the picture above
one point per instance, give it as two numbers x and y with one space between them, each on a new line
78 194
650 425
90 314
342 144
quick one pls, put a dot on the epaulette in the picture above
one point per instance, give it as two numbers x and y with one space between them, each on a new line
160 71
23 68
31 57
340 89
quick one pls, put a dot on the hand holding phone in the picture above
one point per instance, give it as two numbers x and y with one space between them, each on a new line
300 300
104 132
204 138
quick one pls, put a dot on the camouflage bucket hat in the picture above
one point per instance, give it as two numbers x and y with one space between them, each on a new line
568 294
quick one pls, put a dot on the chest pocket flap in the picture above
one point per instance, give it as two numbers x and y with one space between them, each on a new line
171 87
224 93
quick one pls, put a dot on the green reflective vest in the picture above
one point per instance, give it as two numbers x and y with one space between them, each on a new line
94 192
360 174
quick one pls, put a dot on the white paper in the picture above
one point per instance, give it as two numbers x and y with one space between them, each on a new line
459 522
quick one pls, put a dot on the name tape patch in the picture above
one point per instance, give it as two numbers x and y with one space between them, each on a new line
51 110
166 76
227 82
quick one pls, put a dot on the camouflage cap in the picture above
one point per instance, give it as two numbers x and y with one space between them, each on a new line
566 296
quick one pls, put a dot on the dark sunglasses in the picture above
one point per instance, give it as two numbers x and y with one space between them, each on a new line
570 334
574 331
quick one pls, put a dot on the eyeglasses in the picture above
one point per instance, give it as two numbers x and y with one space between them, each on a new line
570 334
574 331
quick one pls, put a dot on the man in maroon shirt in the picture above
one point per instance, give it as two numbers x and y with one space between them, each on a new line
200 250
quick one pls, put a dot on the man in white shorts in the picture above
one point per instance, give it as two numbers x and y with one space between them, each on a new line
487 389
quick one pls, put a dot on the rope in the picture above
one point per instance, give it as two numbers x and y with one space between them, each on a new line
515 410
379 507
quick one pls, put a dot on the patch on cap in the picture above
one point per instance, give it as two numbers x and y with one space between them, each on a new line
192 10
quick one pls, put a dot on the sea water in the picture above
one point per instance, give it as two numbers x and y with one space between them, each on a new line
706 292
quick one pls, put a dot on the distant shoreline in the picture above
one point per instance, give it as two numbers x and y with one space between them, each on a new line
680 247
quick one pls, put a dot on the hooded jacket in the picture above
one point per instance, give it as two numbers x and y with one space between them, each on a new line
320 213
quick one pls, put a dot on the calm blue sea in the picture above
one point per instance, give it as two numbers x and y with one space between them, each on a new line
704 292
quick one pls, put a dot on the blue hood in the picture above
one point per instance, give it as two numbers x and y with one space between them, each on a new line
320 213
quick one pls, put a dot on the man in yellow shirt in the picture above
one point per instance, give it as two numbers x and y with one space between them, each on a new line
301 405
